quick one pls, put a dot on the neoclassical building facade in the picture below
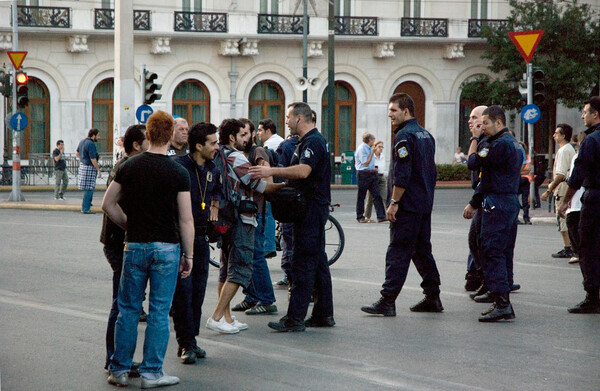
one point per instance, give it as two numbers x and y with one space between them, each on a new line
218 59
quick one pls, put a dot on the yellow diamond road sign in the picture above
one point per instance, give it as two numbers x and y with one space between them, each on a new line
526 42
16 58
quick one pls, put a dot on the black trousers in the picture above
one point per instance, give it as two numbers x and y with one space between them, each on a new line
589 245
368 181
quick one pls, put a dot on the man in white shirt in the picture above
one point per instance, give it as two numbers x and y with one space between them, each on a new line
558 186
382 171
267 133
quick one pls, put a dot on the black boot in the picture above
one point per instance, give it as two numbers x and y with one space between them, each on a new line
589 305
482 290
431 303
485 298
474 280
383 306
502 309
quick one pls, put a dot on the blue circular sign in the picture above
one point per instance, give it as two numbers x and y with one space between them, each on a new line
18 121
143 112
531 114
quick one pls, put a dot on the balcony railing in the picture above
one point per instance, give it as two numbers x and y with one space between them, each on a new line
204 22
476 25
280 24
350 25
30 16
424 27
104 19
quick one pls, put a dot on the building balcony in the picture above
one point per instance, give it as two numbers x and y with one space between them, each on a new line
202 22
104 19
350 25
424 27
477 25
280 24
30 16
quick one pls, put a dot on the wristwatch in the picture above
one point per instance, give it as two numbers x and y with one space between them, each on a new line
394 202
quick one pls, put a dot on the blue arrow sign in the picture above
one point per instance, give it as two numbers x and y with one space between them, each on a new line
18 122
531 114
143 112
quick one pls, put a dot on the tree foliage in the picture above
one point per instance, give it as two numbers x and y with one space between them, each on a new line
568 53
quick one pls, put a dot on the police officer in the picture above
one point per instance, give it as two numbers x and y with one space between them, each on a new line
586 172
500 165
310 172
205 194
412 182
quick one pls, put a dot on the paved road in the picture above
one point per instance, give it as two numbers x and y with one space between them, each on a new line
55 296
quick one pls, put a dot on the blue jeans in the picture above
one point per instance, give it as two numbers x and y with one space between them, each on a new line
260 289
287 246
87 200
159 263
270 245
115 259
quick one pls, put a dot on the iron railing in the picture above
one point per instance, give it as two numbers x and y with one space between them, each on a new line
41 168
350 25
104 19
31 16
424 27
204 22
280 24
476 25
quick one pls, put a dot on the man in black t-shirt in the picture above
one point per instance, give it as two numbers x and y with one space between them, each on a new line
60 171
150 199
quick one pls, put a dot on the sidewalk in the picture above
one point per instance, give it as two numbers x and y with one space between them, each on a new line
42 198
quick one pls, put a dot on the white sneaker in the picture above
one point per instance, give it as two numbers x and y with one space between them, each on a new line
236 323
164 380
574 259
221 326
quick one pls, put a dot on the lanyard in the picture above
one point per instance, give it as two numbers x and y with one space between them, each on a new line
202 193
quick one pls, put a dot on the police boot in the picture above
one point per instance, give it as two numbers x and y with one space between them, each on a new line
383 306
431 303
590 305
502 309
474 280
485 298
481 291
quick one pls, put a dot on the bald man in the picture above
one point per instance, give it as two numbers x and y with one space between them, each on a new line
179 141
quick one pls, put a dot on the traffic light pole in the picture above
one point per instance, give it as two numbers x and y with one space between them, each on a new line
530 132
15 195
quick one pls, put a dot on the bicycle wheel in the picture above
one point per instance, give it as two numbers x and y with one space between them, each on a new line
334 240
215 256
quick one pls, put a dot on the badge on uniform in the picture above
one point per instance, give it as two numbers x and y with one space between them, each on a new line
307 153
209 176
402 152
483 152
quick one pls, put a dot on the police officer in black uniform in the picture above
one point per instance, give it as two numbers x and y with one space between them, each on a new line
205 194
586 173
310 172
500 164
410 193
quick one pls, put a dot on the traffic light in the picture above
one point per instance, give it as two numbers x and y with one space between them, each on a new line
22 90
523 88
539 86
6 85
151 87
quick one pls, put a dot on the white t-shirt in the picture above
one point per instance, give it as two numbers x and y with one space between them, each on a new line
273 142
576 200
380 164
459 158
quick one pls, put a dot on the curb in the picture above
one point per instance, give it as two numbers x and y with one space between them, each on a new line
31 206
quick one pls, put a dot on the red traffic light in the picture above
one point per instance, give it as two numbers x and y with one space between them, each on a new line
22 78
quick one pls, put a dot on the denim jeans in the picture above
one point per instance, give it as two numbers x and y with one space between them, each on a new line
87 200
159 263
115 259
287 246
260 289
270 245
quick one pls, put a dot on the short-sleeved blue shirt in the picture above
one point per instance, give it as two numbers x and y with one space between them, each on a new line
500 163
361 156
87 151
413 167
312 150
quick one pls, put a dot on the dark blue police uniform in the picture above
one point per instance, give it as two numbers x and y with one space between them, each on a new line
309 266
189 293
412 168
586 172
500 164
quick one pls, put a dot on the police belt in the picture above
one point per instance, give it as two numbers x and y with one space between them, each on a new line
201 230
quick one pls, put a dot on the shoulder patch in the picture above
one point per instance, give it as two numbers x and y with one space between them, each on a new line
484 152
308 153
402 152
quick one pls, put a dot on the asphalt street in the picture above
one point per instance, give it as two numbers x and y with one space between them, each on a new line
55 288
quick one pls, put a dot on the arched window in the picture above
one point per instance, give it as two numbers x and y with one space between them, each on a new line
102 114
191 101
35 138
267 101
343 138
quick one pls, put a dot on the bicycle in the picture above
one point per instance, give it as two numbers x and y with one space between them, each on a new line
335 239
